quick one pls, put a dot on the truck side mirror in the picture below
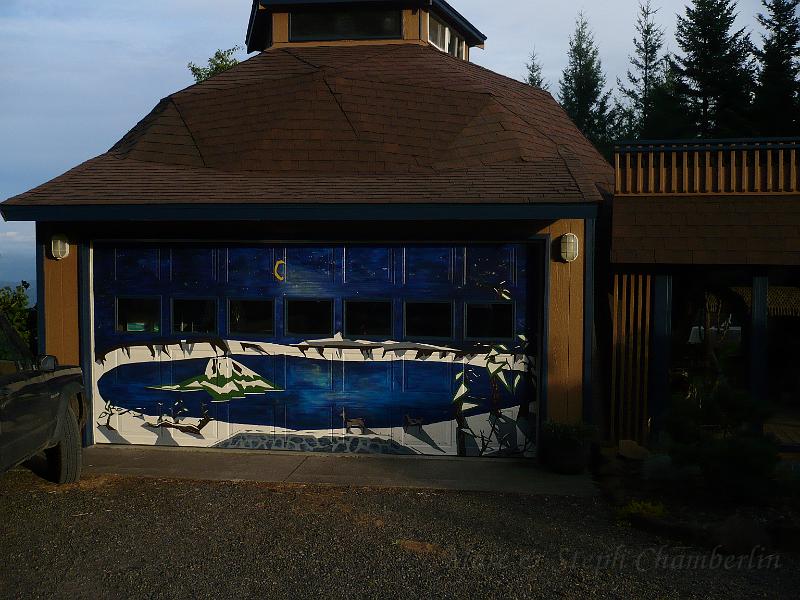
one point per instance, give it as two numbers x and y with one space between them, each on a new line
47 363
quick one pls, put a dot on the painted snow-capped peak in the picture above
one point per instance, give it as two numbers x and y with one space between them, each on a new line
226 367
224 379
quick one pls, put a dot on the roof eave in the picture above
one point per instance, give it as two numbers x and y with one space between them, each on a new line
332 211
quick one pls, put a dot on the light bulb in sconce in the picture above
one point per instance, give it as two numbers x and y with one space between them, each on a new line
570 247
59 247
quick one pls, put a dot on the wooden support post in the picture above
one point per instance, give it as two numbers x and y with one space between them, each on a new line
630 366
781 171
639 176
662 163
793 184
645 364
758 340
757 161
615 324
618 182
733 171
745 171
660 361
674 183
770 170
685 189
628 170
638 396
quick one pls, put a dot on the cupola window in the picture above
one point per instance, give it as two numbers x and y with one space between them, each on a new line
445 38
345 24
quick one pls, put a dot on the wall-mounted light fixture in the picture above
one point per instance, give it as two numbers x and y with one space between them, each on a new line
59 247
570 247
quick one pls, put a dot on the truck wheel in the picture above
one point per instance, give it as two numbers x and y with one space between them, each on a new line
64 459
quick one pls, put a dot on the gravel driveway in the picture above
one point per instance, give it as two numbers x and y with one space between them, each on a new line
113 537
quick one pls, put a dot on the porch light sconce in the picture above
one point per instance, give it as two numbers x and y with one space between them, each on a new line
59 247
570 247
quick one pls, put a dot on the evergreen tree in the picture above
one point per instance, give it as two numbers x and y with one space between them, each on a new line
669 107
777 105
634 111
535 76
717 69
581 89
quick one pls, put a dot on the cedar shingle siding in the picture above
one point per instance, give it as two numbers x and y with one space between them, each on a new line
735 230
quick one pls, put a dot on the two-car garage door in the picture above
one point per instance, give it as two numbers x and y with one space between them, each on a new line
412 349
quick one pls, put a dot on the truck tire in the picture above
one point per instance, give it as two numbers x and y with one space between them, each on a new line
64 459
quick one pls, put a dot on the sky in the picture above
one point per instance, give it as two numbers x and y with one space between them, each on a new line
76 76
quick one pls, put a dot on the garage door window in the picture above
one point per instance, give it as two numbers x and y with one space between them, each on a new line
309 317
138 315
194 316
490 321
252 317
364 318
429 320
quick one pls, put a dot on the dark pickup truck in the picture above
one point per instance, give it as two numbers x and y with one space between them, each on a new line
42 408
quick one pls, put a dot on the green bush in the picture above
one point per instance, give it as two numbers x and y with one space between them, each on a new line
741 466
567 433
14 306
714 427
642 508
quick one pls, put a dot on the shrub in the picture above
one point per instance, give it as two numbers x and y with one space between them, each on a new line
741 466
642 508
713 427
567 433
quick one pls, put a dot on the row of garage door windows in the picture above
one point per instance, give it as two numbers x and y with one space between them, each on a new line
362 318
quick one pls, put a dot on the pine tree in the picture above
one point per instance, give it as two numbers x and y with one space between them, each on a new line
581 89
535 76
634 111
777 104
716 69
669 106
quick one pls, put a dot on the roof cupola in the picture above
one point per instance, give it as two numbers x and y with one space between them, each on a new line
283 23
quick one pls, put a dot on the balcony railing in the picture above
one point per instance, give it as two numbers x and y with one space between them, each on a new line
679 167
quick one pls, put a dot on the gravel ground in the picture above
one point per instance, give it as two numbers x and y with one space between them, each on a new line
113 537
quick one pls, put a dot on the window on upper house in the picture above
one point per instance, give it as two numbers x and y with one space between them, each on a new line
367 318
445 38
429 319
138 315
194 316
309 317
490 321
346 24
437 34
251 317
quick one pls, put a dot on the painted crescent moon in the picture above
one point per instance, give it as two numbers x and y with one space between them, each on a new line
276 270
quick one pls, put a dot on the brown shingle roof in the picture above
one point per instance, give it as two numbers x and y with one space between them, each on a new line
393 123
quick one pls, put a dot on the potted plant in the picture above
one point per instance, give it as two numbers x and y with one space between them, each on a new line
565 448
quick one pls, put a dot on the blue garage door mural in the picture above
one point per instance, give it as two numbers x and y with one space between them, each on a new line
416 349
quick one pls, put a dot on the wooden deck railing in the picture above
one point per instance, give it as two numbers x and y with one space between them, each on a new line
751 166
